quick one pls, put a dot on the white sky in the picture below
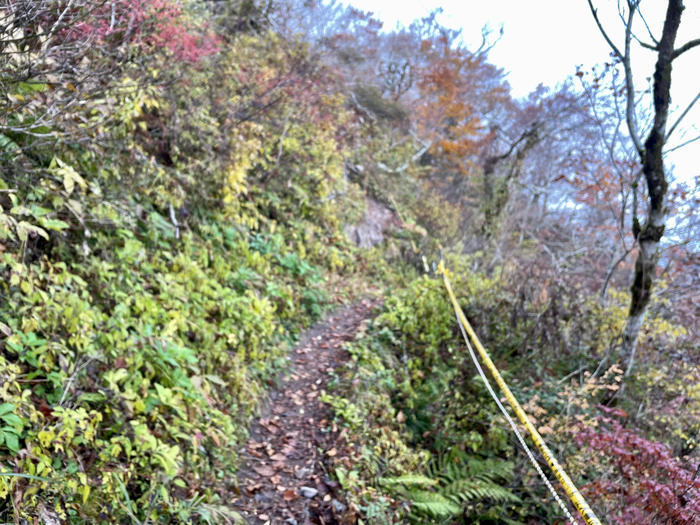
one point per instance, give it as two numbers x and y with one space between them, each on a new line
544 40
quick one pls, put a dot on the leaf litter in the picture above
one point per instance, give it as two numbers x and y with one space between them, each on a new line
284 477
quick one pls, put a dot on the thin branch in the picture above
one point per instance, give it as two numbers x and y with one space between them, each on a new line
285 129
685 47
594 12
405 165
173 220
629 83
681 145
675 125
651 35
55 26
611 271
364 110
644 44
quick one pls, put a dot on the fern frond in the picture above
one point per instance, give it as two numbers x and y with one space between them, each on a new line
490 468
409 480
433 504
454 479
466 490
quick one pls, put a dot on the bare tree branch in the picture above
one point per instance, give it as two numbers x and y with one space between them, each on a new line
629 83
425 146
683 144
685 112
651 35
645 44
594 11
611 271
685 47
627 65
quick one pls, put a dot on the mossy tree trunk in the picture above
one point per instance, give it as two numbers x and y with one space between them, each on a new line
497 191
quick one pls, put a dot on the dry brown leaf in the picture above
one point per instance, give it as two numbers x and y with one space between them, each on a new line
264 470
253 488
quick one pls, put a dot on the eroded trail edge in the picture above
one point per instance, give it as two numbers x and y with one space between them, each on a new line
283 479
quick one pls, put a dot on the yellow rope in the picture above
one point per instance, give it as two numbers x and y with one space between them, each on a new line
571 491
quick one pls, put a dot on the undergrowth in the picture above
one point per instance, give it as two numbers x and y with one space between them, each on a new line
431 445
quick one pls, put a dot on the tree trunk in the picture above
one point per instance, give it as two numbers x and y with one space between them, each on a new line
496 192
650 233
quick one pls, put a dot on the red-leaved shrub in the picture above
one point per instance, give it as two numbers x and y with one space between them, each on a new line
643 482
148 24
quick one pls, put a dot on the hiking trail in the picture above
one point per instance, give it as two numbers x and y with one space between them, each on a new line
283 477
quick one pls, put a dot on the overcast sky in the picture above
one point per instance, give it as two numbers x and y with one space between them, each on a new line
544 40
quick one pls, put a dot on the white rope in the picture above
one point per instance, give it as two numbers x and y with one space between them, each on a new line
512 424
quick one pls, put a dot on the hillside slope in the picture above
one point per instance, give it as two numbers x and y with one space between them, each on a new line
186 187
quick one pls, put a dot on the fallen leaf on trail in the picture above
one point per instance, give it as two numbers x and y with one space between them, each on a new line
278 457
332 452
253 488
289 495
270 426
264 470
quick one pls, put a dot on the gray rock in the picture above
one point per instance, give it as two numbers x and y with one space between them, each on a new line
370 230
338 506
302 473
308 492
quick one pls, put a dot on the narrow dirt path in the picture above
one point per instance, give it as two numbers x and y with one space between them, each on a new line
283 480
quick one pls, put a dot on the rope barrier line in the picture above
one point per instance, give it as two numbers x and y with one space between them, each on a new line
572 492
528 452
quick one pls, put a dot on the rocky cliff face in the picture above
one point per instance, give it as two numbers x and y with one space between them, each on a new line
370 231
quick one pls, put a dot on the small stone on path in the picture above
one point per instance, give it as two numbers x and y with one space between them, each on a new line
308 492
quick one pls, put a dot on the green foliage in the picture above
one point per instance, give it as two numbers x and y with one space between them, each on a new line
407 382
12 427
458 485
459 488
153 275
168 231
